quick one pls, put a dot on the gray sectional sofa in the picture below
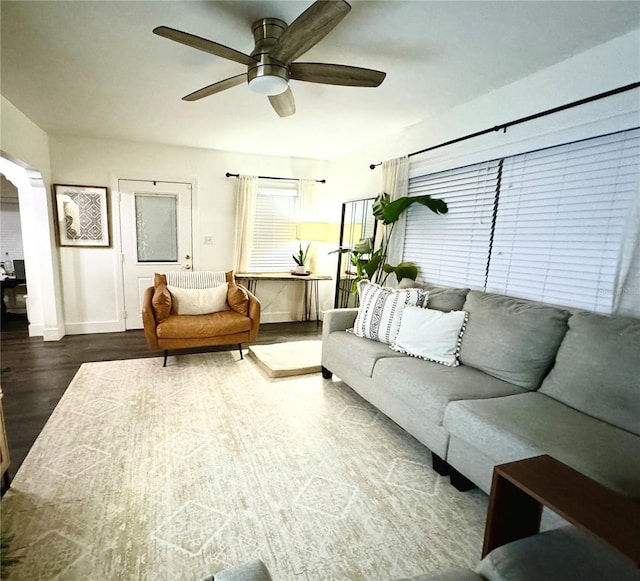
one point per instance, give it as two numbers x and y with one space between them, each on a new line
564 554
533 379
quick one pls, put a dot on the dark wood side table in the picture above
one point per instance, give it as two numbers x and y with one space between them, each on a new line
519 491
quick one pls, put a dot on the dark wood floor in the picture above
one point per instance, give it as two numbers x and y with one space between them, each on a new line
36 373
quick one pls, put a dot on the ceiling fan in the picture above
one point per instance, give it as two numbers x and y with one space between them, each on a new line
270 65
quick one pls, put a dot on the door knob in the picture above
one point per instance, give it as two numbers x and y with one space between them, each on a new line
187 267
187 257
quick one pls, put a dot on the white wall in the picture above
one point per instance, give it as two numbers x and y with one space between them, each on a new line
25 145
91 276
605 67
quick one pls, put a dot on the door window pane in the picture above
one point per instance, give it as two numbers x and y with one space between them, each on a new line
156 228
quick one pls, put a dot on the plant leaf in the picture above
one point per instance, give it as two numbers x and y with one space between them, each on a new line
393 210
365 246
406 270
372 264
379 205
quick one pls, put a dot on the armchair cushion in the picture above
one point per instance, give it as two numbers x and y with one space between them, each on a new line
161 302
200 326
238 299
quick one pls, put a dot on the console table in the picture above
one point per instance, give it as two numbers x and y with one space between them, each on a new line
310 282
520 489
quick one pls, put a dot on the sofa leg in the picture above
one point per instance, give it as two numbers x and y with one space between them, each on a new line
166 354
326 374
439 465
459 481
240 349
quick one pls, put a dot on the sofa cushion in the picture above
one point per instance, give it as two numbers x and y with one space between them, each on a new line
597 369
447 299
161 302
251 571
431 334
511 339
559 555
441 298
198 326
429 387
357 353
381 308
528 424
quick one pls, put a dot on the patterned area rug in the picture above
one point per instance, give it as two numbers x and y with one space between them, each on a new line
286 359
173 474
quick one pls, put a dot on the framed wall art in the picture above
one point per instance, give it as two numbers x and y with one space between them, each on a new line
82 216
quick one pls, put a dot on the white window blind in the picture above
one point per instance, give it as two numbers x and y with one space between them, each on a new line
548 225
451 249
274 229
561 218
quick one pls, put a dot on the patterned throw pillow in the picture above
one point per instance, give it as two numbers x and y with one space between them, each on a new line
380 310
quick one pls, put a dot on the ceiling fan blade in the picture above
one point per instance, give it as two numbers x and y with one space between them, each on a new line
336 74
205 45
216 87
308 29
284 103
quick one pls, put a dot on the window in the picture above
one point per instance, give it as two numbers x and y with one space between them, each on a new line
451 249
273 239
552 230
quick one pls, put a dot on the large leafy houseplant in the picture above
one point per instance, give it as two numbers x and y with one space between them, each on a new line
371 263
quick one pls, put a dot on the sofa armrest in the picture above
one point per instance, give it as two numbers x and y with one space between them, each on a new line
337 320
149 320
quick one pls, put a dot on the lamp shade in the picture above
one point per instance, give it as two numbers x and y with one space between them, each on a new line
314 231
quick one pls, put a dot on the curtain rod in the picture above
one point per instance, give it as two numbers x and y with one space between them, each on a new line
237 175
504 126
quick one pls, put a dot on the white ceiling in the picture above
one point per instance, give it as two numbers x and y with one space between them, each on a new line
94 69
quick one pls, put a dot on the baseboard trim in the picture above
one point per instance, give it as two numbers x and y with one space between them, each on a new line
281 317
93 327
35 330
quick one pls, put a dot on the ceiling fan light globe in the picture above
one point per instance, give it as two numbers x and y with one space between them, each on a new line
268 85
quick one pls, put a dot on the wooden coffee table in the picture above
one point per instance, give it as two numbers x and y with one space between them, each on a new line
521 489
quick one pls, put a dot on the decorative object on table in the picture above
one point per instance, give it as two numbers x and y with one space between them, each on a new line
301 259
82 216
371 263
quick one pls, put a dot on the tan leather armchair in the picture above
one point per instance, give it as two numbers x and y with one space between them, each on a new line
168 331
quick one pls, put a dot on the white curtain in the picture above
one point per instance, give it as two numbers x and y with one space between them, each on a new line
246 193
395 182
309 206
626 294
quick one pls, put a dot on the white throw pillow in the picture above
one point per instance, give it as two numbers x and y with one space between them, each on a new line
380 310
431 334
203 301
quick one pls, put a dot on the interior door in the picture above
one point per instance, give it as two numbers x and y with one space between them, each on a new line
155 229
